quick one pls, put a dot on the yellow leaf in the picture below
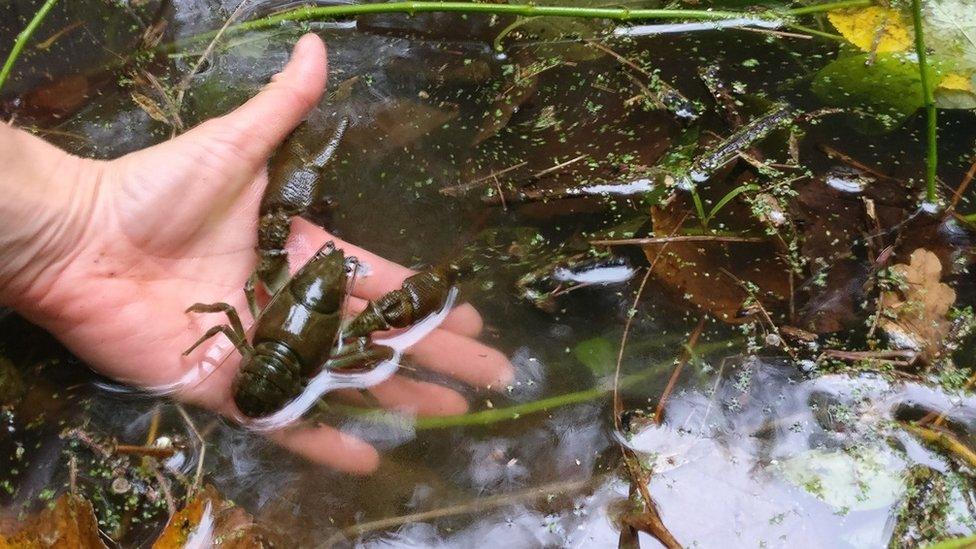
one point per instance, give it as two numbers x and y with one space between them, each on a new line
874 25
956 81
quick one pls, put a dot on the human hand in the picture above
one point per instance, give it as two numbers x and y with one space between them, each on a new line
108 255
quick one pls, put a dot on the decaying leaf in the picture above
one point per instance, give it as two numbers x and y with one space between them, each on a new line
914 315
11 385
150 107
399 123
874 28
211 521
70 523
714 275
885 30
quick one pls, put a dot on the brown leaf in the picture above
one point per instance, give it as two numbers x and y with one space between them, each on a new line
150 107
70 523
710 275
229 526
915 315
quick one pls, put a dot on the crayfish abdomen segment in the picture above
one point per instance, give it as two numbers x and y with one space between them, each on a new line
267 380
420 295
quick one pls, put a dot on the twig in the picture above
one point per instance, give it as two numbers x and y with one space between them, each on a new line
153 425
185 82
947 441
167 494
966 180
654 525
776 33
617 405
462 188
869 355
22 39
88 441
685 356
928 96
854 163
939 418
203 448
474 506
151 451
816 32
73 474
559 166
677 238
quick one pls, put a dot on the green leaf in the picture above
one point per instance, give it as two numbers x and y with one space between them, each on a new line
889 89
597 354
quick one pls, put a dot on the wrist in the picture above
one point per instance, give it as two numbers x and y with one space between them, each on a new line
49 199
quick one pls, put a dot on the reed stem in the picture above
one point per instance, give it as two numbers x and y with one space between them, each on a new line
928 97
22 39
320 13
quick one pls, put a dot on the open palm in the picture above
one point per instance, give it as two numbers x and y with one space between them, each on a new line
175 224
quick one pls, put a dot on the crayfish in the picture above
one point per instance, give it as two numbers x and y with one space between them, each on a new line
301 330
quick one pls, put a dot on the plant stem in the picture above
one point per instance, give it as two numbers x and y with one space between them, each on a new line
22 39
928 96
497 415
318 13
829 6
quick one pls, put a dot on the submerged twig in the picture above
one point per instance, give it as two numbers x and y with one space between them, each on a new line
203 449
473 506
961 189
462 188
896 356
150 451
947 441
678 238
185 82
22 39
685 357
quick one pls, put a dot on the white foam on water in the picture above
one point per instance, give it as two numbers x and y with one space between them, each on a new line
202 536
596 275
633 187
645 30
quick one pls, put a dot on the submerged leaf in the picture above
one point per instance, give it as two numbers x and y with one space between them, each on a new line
211 521
69 523
915 314
883 30
850 482
597 354
889 88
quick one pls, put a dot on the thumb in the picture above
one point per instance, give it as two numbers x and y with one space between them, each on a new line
258 126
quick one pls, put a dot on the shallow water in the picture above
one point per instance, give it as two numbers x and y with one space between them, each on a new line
755 449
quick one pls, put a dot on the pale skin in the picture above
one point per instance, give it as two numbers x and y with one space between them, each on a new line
107 255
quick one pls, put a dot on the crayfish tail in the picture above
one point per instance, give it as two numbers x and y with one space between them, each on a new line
420 295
